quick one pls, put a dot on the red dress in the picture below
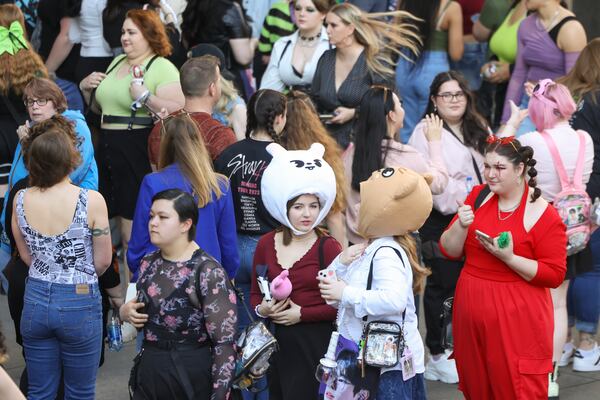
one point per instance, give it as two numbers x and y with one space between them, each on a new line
503 324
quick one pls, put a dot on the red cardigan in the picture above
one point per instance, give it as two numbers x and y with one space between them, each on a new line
303 275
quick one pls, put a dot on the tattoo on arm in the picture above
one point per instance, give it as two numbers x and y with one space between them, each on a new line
100 232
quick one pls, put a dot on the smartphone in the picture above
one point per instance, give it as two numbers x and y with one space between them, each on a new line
484 236
325 118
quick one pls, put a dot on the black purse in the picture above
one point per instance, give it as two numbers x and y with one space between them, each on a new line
447 338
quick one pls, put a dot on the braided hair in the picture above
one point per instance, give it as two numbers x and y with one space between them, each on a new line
516 154
264 106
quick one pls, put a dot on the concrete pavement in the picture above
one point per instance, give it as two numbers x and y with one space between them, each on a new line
114 374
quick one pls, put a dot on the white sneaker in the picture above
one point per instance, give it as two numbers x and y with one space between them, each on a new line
566 357
587 361
441 370
553 384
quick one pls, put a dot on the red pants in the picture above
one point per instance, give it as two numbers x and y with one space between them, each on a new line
502 338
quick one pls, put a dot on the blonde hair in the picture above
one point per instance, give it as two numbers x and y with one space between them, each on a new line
228 94
380 38
303 128
420 272
182 144
17 70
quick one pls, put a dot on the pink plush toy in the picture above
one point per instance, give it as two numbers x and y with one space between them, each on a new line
281 286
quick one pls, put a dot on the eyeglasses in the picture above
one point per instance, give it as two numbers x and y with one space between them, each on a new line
39 102
448 96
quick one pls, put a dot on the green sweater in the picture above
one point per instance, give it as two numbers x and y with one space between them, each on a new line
278 23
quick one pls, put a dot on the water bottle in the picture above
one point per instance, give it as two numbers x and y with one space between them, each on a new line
115 338
469 184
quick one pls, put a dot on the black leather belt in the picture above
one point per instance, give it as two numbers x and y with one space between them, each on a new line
117 119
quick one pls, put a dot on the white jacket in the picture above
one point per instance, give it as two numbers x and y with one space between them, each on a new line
391 293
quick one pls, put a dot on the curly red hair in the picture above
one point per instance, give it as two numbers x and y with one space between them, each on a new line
153 30
17 70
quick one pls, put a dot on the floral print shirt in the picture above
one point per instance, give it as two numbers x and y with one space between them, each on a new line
188 301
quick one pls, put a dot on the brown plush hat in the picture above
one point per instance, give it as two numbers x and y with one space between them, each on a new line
393 201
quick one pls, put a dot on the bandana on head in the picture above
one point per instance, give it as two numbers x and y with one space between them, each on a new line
12 39
294 173
394 201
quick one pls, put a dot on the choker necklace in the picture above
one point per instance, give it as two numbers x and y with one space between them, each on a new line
309 38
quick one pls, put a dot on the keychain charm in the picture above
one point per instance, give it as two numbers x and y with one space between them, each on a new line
408 370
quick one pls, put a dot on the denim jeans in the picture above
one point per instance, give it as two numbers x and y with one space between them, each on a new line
62 330
246 247
413 81
393 387
470 64
583 298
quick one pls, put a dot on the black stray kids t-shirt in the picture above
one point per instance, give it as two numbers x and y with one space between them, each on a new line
244 163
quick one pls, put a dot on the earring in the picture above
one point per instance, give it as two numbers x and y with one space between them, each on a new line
434 108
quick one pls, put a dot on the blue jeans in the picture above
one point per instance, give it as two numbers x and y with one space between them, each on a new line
393 387
413 82
583 298
62 331
471 62
246 248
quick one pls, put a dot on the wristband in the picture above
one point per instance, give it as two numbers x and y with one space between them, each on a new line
257 313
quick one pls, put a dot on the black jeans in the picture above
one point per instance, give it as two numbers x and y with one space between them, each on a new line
440 285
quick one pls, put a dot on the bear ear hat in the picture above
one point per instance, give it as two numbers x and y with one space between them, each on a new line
317 149
275 148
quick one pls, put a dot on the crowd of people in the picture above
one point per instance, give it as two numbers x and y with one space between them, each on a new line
372 155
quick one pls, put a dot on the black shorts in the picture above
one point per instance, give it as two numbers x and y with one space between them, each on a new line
122 164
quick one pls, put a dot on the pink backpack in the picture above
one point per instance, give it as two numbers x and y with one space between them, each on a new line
572 203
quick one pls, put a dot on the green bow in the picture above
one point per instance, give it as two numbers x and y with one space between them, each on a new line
12 39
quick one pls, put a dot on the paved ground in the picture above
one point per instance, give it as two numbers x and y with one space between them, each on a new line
113 376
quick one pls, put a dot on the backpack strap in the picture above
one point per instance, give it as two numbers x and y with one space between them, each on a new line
560 166
481 196
93 94
578 176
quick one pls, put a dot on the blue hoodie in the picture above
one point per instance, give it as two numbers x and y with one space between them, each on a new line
85 176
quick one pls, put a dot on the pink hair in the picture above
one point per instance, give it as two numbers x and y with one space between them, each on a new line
550 104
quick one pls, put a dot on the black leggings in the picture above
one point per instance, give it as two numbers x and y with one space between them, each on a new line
440 285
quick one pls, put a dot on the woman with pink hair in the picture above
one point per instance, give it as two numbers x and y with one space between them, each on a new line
550 109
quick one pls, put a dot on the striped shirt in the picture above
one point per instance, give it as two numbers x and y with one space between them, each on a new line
278 23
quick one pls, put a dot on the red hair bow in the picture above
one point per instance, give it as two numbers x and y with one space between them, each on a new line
491 139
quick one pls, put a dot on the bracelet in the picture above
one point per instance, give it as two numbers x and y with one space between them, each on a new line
145 97
257 313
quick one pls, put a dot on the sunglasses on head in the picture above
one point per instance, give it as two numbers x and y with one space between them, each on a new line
541 86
